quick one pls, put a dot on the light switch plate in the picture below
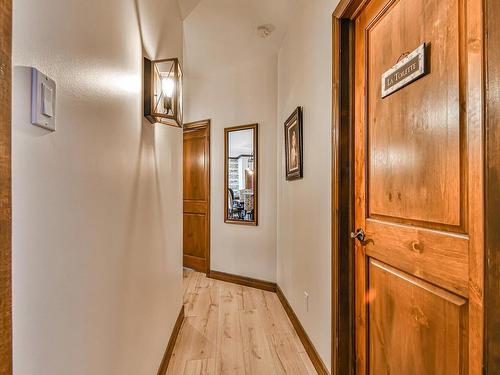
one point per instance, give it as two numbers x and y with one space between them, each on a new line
43 100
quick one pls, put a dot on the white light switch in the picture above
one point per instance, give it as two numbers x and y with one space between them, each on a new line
43 100
47 109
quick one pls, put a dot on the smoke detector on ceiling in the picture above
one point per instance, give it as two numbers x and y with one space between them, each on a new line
265 31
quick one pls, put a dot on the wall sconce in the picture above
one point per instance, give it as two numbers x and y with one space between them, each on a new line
163 91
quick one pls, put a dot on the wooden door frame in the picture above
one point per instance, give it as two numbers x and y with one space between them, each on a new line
5 187
343 187
492 187
195 126
343 330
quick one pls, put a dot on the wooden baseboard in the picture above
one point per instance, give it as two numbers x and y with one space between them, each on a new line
242 280
304 338
171 343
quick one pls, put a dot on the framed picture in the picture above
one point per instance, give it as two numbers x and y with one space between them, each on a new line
294 146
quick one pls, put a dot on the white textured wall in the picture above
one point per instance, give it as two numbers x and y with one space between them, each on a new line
304 220
97 235
239 95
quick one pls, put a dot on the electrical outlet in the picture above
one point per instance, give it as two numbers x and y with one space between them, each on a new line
306 300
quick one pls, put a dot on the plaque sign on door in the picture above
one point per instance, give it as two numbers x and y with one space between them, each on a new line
408 69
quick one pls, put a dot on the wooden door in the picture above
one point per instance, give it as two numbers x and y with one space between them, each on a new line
197 196
419 191
5 188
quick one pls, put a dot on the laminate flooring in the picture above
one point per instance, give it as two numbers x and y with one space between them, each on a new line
235 330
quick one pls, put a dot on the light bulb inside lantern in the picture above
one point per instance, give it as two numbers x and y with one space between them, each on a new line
167 86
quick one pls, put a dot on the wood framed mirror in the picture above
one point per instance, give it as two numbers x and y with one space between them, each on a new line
241 174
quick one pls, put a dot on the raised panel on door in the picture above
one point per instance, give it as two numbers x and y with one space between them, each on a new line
415 140
194 234
195 186
415 328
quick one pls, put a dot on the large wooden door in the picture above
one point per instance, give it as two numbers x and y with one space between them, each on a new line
419 191
197 196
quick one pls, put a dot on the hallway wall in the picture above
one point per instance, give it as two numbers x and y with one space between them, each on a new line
97 240
239 95
304 220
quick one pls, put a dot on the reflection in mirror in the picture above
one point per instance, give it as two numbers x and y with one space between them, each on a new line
241 175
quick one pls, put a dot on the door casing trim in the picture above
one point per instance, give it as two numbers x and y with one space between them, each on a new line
343 187
5 187
492 186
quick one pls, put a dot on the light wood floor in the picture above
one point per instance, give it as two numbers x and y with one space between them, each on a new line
231 329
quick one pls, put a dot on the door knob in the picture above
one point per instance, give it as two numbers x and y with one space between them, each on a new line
359 235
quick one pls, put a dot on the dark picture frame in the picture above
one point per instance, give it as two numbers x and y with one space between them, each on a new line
294 146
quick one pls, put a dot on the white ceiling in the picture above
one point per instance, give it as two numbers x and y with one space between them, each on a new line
222 33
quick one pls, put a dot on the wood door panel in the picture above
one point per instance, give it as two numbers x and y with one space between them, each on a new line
195 207
194 169
194 234
439 257
415 327
415 148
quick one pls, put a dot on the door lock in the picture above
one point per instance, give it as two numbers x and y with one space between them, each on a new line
359 235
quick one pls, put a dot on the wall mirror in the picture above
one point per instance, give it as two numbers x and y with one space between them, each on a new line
240 174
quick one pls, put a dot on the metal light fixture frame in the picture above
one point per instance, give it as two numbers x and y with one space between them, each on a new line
151 99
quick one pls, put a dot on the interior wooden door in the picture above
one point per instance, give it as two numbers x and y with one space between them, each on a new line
196 216
419 191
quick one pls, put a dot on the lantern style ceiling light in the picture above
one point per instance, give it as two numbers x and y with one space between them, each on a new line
163 91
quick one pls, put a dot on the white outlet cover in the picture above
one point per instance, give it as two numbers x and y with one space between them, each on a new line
43 100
